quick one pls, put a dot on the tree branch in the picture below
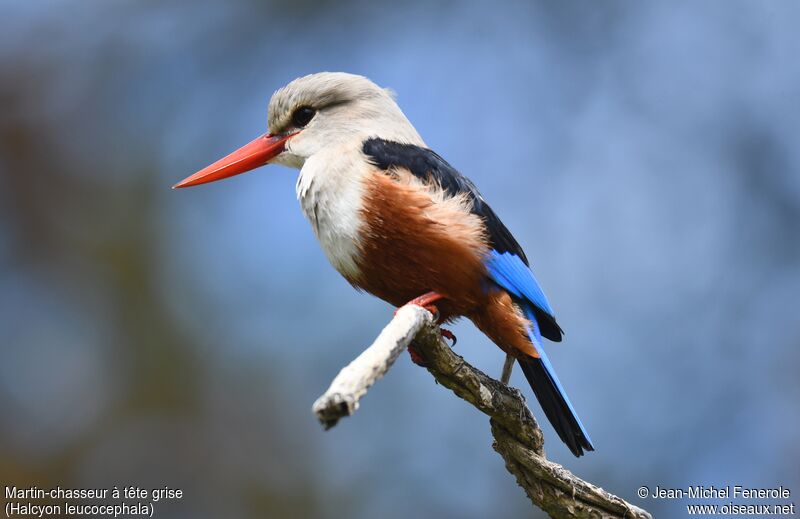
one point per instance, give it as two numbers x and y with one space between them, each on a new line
517 437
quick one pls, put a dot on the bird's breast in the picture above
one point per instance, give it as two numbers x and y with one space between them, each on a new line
330 189
392 235
414 238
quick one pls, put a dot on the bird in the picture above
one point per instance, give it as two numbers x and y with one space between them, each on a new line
399 222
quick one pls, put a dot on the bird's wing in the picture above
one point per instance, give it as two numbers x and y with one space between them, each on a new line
506 263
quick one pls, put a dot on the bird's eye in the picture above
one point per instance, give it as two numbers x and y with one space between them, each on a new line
303 115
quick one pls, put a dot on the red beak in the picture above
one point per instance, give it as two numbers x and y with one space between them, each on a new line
250 156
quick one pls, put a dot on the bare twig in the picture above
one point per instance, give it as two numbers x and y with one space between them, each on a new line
341 399
517 437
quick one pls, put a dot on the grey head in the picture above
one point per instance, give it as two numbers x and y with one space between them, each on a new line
328 109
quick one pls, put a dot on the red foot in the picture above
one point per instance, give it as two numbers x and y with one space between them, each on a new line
426 301
450 335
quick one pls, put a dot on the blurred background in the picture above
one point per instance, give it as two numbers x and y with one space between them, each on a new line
645 154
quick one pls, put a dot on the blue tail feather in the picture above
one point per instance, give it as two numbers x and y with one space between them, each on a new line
511 273
551 394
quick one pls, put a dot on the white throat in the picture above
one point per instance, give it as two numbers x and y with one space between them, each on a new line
330 191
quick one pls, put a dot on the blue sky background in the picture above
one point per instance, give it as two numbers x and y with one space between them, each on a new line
644 154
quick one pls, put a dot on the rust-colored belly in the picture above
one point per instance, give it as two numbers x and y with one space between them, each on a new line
414 240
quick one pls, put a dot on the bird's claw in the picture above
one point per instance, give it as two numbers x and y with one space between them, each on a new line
449 335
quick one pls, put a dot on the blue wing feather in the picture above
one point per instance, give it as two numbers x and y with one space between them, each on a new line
508 271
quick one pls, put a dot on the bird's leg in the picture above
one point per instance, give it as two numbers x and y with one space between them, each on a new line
426 301
508 367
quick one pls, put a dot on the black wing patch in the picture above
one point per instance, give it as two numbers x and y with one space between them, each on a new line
428 166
